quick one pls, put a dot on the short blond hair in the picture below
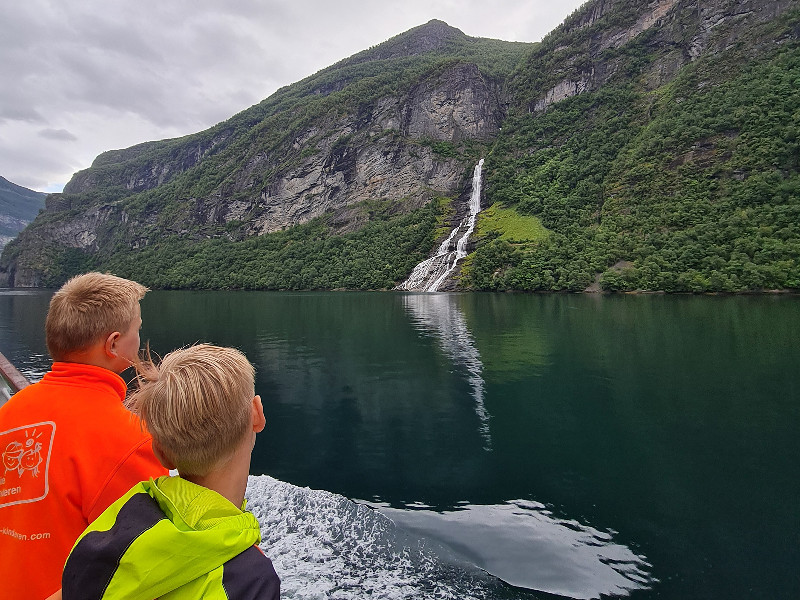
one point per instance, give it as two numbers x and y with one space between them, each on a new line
196 404
88 308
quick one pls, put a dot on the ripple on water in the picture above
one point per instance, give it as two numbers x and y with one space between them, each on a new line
34 366
524 544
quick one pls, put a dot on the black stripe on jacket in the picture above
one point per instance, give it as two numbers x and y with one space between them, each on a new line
251 576
95 559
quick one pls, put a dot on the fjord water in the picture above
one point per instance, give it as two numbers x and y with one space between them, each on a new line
582 446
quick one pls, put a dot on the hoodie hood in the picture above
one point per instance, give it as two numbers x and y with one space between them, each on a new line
163 535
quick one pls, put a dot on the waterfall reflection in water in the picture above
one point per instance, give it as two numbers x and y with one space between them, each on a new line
520 541
440 315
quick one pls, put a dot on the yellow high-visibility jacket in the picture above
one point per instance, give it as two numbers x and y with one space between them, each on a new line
170 539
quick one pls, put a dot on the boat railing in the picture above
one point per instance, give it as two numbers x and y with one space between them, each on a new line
11 380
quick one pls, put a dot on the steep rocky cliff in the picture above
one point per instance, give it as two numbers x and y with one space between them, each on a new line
580 56
363 147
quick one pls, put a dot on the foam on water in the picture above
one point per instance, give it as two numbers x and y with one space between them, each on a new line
326 546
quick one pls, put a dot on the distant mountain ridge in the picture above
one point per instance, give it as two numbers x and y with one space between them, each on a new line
638 146
18 207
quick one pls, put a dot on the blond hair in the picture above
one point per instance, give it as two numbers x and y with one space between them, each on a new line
88 308
196 404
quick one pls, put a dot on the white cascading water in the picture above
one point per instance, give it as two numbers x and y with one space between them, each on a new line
428 275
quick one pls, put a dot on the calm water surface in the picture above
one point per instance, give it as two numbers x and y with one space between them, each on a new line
521 446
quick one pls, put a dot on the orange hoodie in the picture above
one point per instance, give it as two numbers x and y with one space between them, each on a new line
69 449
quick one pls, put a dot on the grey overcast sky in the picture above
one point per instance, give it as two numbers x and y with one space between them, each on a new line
79 78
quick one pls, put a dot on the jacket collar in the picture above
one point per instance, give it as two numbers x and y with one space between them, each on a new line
83 375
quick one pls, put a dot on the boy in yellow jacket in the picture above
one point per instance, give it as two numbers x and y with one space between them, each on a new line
186 536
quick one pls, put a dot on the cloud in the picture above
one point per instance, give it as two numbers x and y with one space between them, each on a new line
58 134
32 159
20 113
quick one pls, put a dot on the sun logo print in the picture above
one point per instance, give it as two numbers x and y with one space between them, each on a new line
26 462
24 456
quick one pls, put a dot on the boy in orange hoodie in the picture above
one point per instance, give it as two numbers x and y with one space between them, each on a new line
69 446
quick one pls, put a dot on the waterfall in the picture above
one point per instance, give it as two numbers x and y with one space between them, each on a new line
428 275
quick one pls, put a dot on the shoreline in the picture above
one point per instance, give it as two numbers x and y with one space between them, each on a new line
588 292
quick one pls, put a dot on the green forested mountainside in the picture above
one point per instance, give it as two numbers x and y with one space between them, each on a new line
642 147
693 186
305 257
18 205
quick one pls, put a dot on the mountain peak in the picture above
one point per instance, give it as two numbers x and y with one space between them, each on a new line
433 35
436 28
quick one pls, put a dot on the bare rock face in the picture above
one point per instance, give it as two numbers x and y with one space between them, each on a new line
384 153
21 277
565 89
461 105
681 30
652 16
145 172
349 175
